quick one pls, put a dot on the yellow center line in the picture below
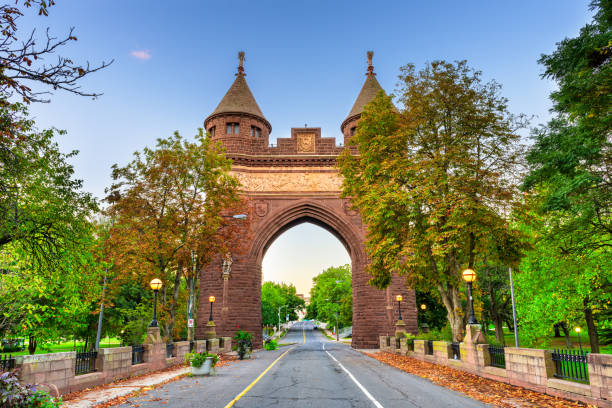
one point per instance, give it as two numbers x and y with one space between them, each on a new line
232 402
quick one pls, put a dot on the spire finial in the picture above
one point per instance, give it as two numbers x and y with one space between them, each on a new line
241 63
370 66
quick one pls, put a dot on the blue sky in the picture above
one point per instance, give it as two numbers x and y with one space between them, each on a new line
305 64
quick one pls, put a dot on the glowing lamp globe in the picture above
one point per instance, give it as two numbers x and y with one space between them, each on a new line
423 306
577 329
469 275
211 299
399 298
156 284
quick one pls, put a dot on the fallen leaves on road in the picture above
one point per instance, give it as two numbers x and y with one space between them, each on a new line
488 391
224 360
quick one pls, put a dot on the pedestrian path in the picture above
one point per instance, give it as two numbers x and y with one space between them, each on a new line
108 392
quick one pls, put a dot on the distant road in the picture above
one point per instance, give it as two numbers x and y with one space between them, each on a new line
312 373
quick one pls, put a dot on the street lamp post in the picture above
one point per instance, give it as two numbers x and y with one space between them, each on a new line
210 332
279 324
156 285
470 276
400 325
211 299
579 342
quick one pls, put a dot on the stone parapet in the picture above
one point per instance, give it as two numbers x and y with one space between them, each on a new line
530 366
54 368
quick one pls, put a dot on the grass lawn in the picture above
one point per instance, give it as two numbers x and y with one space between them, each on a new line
58 346
553 342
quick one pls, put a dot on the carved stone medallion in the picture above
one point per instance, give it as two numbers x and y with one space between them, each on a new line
261 208
306 143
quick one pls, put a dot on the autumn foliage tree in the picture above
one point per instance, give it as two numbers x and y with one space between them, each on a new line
435 180
169 205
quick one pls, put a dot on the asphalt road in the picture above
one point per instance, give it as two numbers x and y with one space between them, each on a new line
314 372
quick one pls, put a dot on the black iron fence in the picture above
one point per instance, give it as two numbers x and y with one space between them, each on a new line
429 349
7 363
137 355
498 356
571 365
456 350
169 350
192 345
85 362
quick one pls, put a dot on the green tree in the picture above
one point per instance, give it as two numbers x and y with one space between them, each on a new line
332 293
570 164
434 181
275 295
168 204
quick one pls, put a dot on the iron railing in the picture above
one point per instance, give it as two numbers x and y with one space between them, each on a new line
7 363
429 349
410 344
456 349
498 356
85 362
192 345
398 343
137 355
169 350
571 365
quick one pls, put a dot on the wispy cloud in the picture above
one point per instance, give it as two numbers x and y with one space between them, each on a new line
141 54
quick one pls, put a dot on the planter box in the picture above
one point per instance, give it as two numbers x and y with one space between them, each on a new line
205 369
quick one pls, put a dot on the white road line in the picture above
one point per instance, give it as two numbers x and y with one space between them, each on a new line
323 344
361 387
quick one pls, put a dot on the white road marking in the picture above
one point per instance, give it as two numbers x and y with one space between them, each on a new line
352 377
323 344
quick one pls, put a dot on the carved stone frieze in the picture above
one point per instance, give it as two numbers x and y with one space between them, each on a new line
290 182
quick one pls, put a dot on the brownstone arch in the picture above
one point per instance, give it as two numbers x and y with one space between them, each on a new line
289 183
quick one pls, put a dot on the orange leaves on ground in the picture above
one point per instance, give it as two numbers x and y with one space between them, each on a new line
488 391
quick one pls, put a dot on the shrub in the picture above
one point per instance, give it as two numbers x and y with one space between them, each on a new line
271 345
244 342
13 394
444 334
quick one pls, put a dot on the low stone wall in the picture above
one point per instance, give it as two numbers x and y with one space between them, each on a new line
57 370
529 368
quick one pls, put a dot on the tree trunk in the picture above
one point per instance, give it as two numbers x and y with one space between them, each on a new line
31 344
593 337
499 328
454 310
566 333
556 327
174 301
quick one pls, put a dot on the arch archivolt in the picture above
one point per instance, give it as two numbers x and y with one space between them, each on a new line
301 211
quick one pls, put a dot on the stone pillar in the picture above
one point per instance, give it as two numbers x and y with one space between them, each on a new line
114 362
153 335
600 375
210 332
180 349
200 346
419 347
442 351
469 353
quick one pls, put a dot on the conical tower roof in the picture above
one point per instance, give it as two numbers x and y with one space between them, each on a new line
239 99
369 90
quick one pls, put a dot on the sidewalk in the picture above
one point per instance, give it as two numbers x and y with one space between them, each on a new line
111 391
